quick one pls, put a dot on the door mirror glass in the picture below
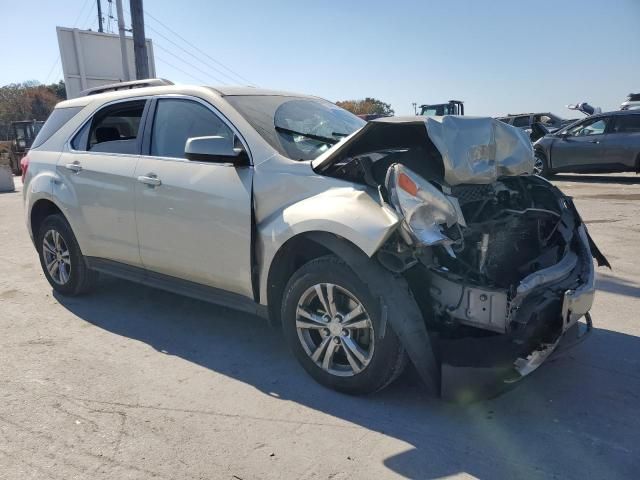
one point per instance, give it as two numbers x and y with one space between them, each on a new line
215 149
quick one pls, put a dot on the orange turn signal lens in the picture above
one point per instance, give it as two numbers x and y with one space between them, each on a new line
408 185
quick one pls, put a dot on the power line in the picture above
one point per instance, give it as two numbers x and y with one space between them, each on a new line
88 16
197 79
80 13
198 49
198 59
51 69
190 54
188 63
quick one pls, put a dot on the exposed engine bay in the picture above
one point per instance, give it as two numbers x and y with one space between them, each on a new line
500 256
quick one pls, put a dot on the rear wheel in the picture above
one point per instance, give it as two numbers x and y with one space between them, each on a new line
15 166
330 319
61 259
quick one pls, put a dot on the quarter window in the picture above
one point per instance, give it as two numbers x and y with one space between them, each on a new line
177 120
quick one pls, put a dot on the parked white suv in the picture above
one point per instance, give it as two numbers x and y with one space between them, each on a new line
369 243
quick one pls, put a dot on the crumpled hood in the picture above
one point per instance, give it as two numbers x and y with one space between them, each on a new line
473 149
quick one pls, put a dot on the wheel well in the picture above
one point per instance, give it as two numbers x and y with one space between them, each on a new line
292 255
41 210
540 151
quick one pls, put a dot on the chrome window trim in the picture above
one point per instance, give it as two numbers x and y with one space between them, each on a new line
215 111
68 146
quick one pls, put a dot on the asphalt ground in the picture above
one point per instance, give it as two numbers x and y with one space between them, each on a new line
135 383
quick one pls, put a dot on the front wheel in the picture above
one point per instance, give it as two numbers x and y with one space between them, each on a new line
330 320
541 166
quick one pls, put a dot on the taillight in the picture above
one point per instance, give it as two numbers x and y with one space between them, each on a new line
24 166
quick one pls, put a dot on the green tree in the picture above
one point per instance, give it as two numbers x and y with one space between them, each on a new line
368 106
27 101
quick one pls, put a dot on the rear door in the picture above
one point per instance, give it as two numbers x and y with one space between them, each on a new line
98 169
194 218
581 146
622 143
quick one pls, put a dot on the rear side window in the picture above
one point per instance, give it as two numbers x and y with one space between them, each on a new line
58 118
114 129
177 120
521 121
627 124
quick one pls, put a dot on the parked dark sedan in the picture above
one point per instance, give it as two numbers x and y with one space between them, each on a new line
607 142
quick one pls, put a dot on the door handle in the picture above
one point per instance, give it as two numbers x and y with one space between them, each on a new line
150 179
74 167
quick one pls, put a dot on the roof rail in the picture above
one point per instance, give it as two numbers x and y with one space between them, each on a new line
112 87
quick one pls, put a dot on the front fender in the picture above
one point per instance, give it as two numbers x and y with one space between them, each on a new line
348 212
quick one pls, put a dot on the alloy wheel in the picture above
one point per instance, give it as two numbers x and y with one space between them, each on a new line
57 258
335 330
538 165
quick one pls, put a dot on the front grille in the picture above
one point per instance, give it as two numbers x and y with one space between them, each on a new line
471 193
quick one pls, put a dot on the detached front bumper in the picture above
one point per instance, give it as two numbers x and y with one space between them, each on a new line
481 367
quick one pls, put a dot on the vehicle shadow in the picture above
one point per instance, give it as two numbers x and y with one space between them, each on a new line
618 286
574 418
630 179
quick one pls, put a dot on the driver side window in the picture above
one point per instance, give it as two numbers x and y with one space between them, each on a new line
591 127
177 120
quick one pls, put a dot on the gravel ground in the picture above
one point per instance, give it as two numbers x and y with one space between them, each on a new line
134 383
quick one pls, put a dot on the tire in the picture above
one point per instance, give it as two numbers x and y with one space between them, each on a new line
541 165
15 167
72 276
384 358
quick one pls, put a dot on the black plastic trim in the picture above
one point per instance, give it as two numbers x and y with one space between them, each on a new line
177 285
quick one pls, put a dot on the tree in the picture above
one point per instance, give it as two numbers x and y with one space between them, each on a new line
59 89
27 101
368 106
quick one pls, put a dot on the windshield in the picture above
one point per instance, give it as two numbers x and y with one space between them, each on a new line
298 128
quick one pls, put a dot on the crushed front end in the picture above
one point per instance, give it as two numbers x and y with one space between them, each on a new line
505 285
498 260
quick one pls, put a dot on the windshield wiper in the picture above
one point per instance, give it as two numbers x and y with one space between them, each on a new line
330 141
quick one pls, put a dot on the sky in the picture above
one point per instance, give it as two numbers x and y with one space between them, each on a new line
498 56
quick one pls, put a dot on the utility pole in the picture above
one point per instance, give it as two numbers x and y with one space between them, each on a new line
123 42
100 29
139 41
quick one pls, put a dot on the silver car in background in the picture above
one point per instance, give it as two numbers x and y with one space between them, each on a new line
421 239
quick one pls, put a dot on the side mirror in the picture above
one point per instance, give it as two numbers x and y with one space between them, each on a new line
215 149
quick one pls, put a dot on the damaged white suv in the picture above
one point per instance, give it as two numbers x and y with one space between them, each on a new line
405 238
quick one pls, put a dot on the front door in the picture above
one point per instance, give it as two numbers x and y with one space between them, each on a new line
193 217
98 172
581 145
